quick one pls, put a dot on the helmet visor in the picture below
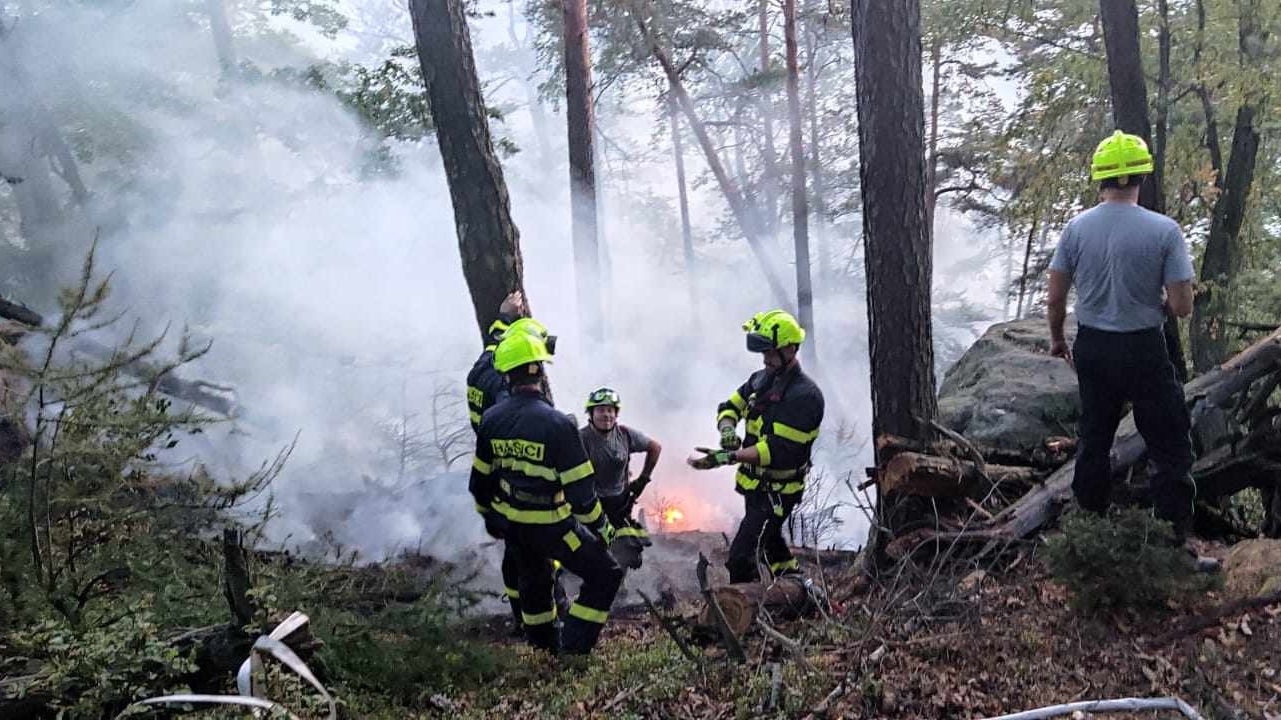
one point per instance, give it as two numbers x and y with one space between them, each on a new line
550 342
603 396
759 343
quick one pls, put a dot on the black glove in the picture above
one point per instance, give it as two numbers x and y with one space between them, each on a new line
495 525
603 530
638 486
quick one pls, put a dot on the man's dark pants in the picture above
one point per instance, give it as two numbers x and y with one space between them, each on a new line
761 533
1113 368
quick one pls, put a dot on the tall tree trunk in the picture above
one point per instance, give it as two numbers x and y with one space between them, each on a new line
1161 131
488 240
1224 255
687 234
582 170
896 238
1027 262
221 29
1212 145
536 114
931 159
743 213
770 181
816 166
1130 112
800 203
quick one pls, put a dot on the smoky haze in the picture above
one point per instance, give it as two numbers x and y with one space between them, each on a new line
334 296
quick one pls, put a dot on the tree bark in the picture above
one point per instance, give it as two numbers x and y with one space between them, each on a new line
931 160
488 240
582 170
1224 255
896 238
743 213
800 203
687 234
786 598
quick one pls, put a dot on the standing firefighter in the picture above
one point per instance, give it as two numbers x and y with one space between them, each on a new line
485 387
610 446
1131 268
533 486
782 408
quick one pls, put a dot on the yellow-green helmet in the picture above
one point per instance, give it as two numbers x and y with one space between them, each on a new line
603 397
1119 155
772 330
517 349
530 326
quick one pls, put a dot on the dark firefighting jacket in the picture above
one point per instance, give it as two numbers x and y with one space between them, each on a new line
782 413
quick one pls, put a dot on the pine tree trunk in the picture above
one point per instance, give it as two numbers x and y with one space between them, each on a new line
816 169
221 29
1224 255
770 180
800 203
687 234
582 170
896 238
488 240
931 158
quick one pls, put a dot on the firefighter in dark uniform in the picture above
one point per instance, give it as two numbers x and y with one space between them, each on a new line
782 408
485 387
533 486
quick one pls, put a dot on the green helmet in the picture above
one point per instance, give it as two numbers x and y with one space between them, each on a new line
1120 155
517 349
772 330
604 397
530 326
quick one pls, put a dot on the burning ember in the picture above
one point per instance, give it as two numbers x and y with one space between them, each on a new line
672 515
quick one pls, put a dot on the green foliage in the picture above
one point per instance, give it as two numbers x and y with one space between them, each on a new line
1125 561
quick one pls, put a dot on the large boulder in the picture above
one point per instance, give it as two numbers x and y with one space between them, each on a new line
1253 567
1007 390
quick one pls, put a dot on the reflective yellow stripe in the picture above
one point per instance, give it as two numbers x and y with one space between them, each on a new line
571 539
728 413
631 532
790 433
513 594
481 466
575 474
754 426
532 517
590 516
745 482
582 612
475 417
789 488
481 509
737 401
762 447
475 396
541 472
792 564
541 618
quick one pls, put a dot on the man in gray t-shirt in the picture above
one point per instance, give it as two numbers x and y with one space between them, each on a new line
610 446
1130 268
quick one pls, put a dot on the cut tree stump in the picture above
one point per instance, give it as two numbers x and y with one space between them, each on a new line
786 598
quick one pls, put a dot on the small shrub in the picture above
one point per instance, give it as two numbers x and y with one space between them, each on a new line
1125 561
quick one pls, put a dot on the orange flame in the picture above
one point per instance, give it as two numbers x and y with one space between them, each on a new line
673 515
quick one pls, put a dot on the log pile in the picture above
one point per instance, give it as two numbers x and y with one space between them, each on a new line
991 495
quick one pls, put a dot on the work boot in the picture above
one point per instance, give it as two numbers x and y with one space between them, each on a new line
518 624
545 636
581 636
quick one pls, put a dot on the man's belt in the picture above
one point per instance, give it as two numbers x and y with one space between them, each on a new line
550 500
776 475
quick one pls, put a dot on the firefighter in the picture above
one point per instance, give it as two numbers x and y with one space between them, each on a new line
610 446
782 408
532 482
485 387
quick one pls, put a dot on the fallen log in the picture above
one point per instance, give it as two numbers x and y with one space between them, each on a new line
786 598
911 473
1053 452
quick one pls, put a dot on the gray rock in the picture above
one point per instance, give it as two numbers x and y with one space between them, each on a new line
1007 391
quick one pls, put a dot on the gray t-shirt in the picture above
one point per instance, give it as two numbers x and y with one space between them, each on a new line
610 454
1120 257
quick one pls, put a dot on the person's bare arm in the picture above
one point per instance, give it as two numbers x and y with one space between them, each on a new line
1056 309
652 451
1178 298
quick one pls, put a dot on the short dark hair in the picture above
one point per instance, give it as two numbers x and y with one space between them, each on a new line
527 374
1115 182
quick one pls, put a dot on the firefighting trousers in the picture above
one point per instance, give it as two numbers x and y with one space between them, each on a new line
511 585
760 534
579 552
1113 368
